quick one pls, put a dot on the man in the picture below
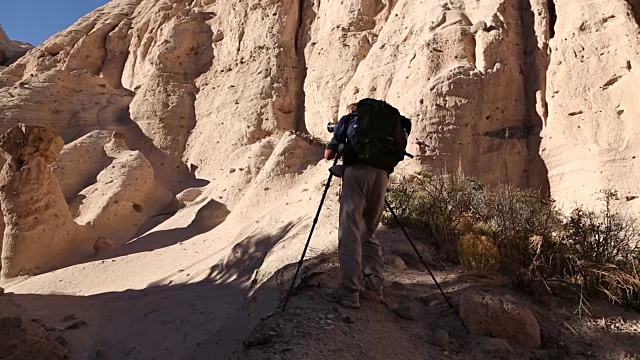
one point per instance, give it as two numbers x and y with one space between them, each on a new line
361 206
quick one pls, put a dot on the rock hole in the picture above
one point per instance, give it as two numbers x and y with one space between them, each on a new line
137 208
553 17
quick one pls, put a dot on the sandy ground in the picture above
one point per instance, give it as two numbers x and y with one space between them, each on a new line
211 319
193 288
181 290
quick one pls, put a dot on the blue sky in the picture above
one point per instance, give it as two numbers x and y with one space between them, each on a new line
34 21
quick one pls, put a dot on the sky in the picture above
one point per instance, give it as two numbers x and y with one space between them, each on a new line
34 21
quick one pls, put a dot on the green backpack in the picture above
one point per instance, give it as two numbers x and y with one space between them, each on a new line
379 139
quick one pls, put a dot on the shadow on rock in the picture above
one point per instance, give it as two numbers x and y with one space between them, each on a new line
248 255
185 321
206 219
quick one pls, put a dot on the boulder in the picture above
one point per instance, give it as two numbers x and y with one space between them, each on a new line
408 311
491 348
23 339
396 262
497 316
81 161
188 196
442 339
124 196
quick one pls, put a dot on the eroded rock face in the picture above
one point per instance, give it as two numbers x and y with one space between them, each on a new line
210 89
194 81
590 141
497 316
124 196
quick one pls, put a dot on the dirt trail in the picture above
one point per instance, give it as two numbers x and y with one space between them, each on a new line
313 328
210 317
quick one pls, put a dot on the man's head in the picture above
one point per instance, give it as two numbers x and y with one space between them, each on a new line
352 108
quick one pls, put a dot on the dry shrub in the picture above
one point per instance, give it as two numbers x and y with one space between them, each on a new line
479 254
523 223
598 252
522 234
436 203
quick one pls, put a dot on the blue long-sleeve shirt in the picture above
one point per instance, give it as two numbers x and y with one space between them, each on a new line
342 132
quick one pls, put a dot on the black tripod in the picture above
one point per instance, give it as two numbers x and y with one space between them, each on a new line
315 221
306 246
417 252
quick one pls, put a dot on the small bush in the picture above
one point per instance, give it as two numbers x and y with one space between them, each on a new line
522 222
478 253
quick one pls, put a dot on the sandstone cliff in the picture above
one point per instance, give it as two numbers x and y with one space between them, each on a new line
205 91
191 82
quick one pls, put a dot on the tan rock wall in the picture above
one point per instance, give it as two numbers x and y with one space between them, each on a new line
535 93
590 141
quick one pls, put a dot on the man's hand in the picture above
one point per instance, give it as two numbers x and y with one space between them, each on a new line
329 154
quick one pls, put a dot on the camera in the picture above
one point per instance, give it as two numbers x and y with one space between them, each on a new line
330 127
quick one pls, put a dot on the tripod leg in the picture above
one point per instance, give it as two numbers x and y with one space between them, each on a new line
306 246
417 252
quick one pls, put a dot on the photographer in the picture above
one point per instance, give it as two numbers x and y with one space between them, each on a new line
361 206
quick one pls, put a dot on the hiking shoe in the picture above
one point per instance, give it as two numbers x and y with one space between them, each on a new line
373 283
342 297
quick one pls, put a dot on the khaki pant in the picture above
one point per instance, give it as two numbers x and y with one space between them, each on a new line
361 206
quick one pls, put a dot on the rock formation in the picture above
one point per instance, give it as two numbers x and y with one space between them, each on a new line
11 50
40 233
500 317
81 161
193 137
124 196
590 140
24 339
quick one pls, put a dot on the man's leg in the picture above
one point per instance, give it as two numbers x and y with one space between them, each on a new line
350 229
351 224
373 262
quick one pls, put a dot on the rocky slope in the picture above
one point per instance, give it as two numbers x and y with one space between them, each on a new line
192 127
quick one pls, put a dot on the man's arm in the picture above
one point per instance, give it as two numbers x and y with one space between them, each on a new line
339 137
